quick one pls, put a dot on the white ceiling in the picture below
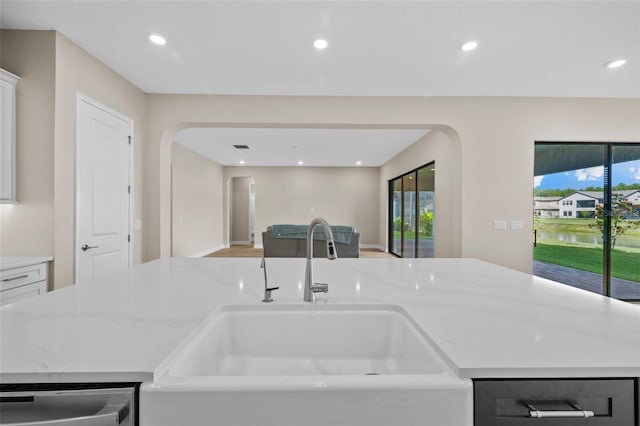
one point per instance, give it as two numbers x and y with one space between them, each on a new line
376 48
285 147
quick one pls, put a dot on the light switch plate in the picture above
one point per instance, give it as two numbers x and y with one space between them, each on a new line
517 224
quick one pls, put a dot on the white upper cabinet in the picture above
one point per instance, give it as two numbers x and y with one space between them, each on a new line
8 134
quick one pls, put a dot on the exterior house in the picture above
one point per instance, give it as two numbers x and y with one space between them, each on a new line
633 196
582 204
546 207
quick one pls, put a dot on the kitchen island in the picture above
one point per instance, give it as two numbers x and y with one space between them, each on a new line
485 321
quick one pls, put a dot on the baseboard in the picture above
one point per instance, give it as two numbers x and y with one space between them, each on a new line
240 243
209 251
374 246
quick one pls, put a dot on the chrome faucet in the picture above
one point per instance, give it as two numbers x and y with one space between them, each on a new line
267 289
310 288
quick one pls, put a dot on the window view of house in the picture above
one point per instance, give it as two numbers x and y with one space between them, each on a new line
586 209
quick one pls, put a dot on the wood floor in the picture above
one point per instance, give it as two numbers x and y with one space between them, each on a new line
250 251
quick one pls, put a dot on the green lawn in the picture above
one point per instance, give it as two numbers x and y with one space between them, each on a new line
624 264
410 235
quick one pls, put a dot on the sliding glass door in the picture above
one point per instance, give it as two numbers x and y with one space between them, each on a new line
411 213
625 222
587 216
395 213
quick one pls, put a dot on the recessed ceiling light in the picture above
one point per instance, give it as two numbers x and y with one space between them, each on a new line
300 163
616 64
241 162
157 39
320 44
358 163
469 46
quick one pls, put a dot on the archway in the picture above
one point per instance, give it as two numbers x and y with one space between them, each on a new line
162 238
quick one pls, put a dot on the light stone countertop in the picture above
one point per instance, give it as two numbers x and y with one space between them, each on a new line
487 321
11 262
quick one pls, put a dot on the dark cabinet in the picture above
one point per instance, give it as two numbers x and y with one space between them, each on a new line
556 402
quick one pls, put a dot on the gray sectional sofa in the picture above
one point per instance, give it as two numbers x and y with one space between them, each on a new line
296 245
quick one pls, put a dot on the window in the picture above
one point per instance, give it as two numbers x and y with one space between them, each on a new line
582 204
598 247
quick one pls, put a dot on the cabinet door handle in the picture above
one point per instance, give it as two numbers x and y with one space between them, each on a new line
550 414
86 247
19 277
539 414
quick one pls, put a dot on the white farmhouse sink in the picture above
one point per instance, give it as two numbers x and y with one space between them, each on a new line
306 365
298 341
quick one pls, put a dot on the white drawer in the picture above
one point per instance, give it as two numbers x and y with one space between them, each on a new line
23 292
18 277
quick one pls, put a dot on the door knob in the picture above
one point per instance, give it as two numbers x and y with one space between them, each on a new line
86 247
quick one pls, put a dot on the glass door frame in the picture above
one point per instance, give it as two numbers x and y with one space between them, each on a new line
608 148
391 239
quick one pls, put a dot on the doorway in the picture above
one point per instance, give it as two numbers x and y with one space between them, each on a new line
242 214
411 213
587 216
103 191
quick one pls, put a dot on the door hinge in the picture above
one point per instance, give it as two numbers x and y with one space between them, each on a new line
129 189
128 238
129 140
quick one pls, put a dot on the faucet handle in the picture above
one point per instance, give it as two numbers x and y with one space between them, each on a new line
267 294
320 288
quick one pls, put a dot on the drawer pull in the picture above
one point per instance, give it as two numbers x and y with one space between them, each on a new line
19 277
550 414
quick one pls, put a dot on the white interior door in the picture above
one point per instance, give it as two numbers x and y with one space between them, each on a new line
103 158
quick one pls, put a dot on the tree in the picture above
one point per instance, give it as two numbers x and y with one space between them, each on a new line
426 223
624 216
398 225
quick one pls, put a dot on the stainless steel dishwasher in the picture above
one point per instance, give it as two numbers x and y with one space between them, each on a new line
68 407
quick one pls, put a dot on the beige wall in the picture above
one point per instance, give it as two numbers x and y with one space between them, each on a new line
27 227
79 72
239 217
444 149
53 71
196 203
341 195
496 137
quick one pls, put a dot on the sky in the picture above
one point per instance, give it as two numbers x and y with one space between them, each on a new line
627 173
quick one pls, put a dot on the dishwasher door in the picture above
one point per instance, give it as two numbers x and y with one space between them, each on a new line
86 407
